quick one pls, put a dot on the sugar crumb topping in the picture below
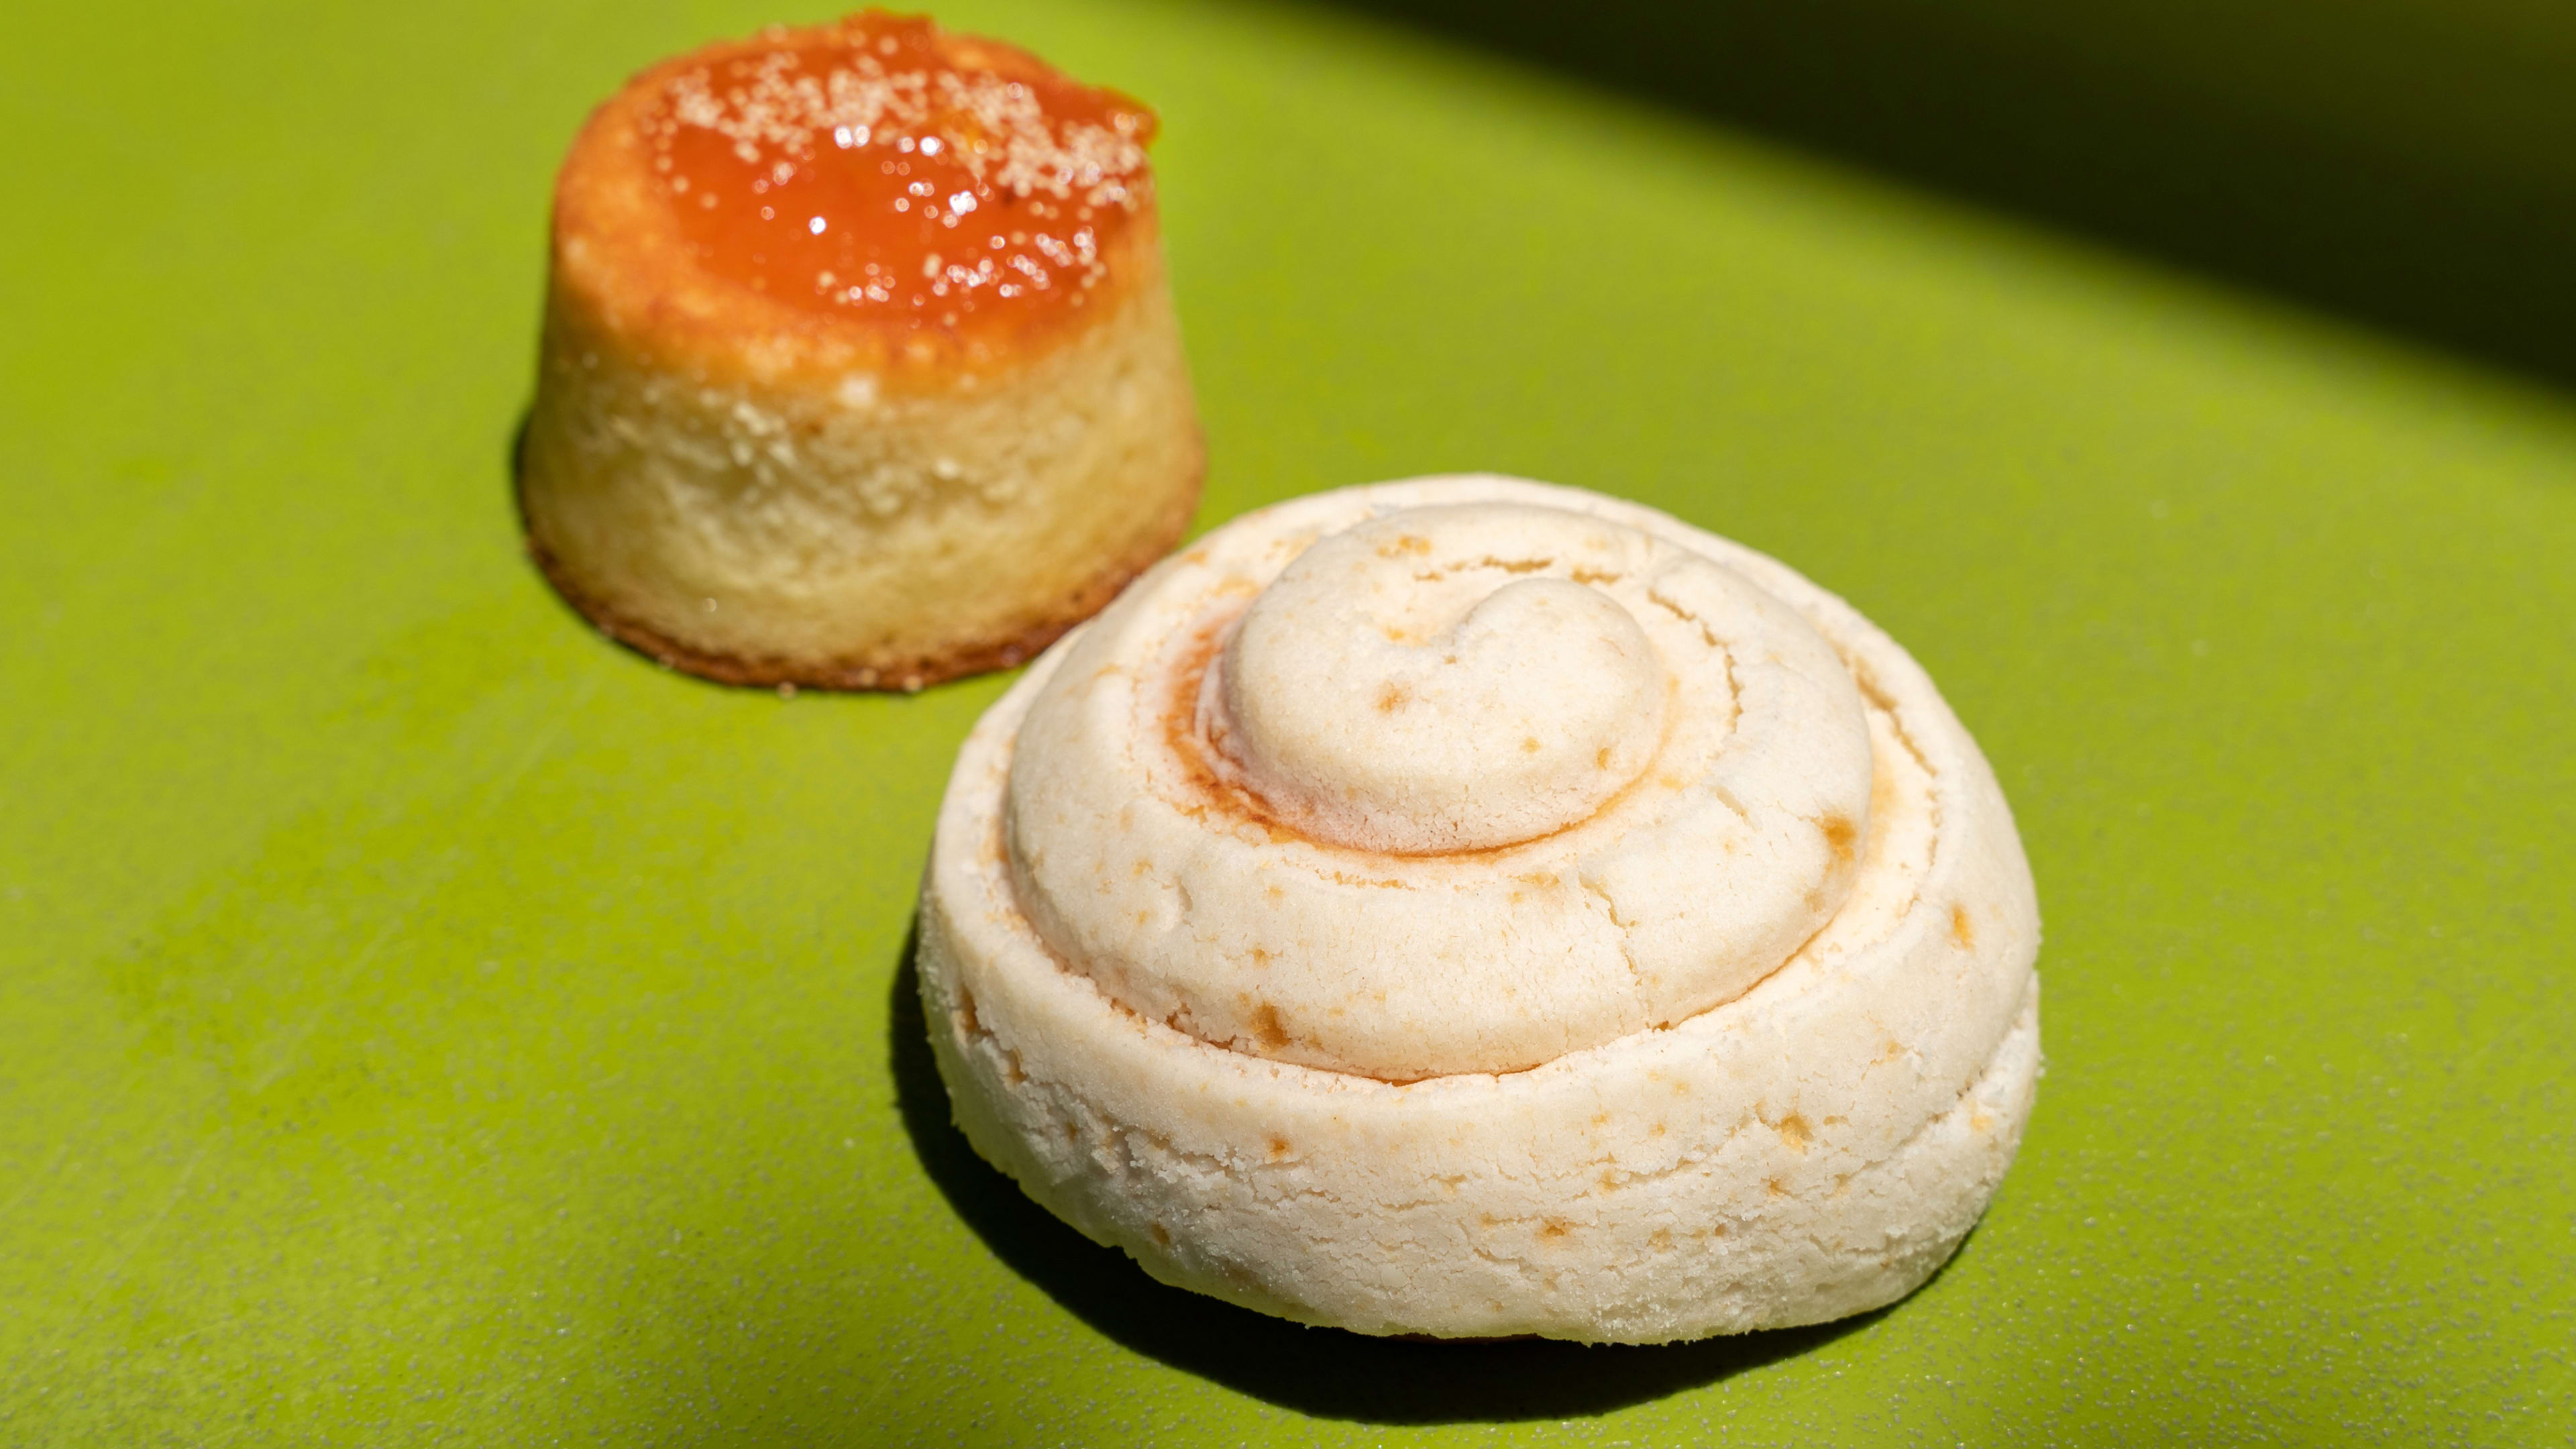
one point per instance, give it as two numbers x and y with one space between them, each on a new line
879 163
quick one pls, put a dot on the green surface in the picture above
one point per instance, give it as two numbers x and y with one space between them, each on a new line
420 1020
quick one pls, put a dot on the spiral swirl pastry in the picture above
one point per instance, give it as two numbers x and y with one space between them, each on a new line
1471 907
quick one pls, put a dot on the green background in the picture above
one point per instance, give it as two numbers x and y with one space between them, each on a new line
421 1021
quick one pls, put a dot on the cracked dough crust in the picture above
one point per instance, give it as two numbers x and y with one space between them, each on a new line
1812 1148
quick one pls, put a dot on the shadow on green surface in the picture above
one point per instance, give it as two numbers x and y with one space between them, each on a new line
1321 1371
2326 186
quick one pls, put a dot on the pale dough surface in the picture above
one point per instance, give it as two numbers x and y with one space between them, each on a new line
1813 1145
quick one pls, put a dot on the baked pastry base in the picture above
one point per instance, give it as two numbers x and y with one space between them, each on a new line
885 672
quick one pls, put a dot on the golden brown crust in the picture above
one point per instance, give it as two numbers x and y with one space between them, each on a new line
888 673
698 443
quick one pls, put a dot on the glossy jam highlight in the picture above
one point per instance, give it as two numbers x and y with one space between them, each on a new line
882 169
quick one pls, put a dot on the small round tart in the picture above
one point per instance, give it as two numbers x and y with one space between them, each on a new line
1469 907
859 366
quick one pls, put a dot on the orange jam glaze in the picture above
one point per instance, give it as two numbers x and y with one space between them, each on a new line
881 169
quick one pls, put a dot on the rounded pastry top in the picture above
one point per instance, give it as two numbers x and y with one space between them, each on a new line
1422 683
1449 776
875 182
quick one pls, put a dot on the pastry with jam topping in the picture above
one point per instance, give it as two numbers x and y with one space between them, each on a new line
859 366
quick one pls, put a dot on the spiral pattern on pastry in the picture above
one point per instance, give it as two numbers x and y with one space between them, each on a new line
1467 906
